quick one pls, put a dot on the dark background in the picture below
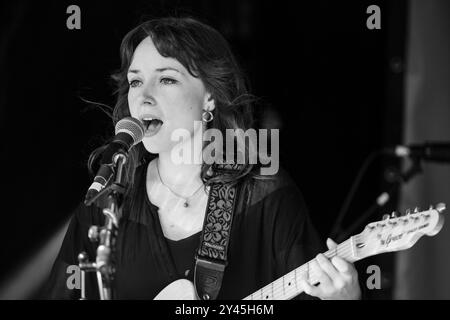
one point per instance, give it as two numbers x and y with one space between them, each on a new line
336 86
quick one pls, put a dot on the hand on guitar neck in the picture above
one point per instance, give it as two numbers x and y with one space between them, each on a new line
338 278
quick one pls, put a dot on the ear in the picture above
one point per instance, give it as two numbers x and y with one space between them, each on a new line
209 103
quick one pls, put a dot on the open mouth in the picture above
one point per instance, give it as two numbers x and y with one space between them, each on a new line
152 125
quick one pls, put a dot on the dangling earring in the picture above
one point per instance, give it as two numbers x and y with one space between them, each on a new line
207 116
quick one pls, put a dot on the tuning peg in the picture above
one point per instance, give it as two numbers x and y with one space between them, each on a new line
416 209
385 217
431 207
394 214
408 212
440 207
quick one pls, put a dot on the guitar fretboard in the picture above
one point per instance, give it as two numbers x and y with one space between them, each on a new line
288 286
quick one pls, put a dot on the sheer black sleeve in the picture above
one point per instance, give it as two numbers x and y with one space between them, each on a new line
295 240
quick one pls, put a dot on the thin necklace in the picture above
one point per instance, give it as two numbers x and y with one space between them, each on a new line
186 199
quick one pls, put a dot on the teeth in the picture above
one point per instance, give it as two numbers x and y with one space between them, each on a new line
147 120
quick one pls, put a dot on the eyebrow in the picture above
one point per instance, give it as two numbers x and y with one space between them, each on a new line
158 70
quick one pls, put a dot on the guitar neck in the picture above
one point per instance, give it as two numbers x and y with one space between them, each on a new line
389 235
287 286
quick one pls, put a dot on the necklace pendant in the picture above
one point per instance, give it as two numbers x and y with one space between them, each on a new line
185 204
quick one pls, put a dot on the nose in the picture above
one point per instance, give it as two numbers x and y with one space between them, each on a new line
147 96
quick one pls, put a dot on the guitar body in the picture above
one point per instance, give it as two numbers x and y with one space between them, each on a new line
178 290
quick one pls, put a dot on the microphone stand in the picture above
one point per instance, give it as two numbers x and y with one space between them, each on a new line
109 200
383 198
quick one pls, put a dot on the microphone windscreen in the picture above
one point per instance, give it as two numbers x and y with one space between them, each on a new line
131 126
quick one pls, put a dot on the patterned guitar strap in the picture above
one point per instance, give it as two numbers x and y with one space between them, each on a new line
211 257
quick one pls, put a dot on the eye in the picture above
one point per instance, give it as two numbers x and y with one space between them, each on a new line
168 81
134 83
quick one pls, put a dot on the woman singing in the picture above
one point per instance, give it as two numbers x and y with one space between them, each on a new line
180 74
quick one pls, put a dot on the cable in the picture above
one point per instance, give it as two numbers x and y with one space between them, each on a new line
343 211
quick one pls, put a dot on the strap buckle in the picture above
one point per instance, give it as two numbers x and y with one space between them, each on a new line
213 264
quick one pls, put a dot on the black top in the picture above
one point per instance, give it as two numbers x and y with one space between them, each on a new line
270 238
182 252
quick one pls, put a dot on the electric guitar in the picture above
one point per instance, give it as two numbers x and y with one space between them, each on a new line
387 235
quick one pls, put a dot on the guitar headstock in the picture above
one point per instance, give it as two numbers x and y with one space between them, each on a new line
395 233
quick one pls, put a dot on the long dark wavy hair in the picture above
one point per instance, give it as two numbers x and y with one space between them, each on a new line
205 53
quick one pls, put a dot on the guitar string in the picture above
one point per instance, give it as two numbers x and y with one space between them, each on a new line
276 288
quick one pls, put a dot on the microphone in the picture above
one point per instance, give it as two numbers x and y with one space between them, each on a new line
129 132
428 151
